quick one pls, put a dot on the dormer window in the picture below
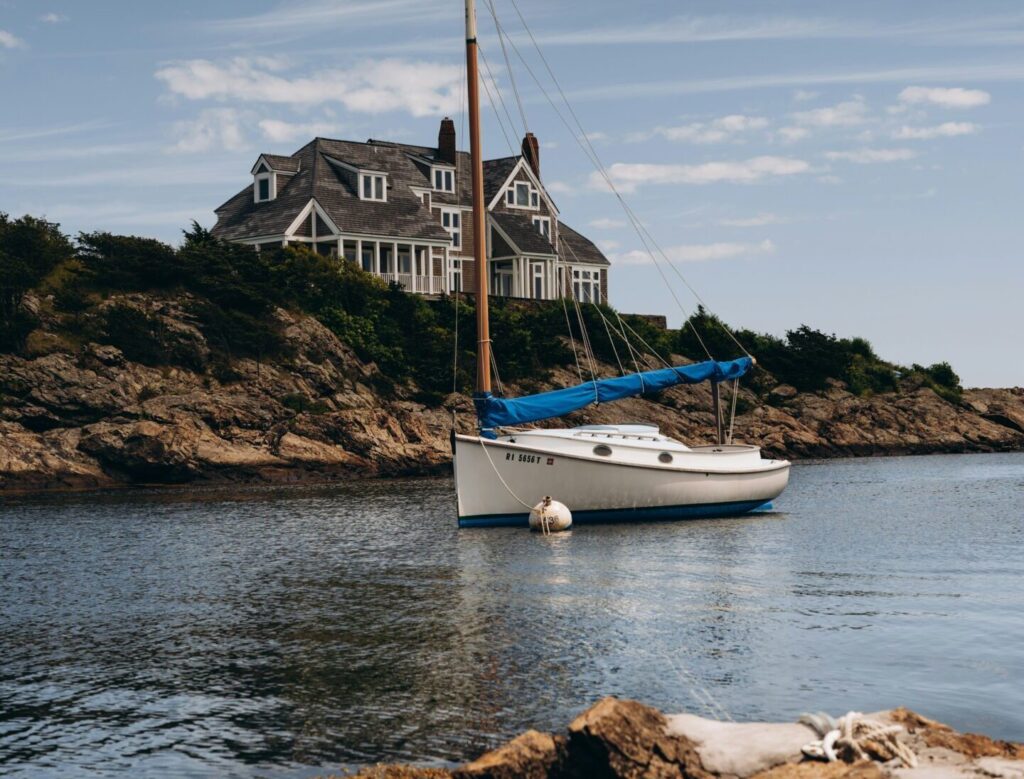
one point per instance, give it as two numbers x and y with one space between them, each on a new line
263 184
543 225
522 194
372 186
444 180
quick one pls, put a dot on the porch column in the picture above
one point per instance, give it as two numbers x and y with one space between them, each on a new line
446 270
394 259
359 252
376 257
341 247
412 265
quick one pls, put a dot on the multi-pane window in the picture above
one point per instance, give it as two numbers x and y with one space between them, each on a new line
586 285
452 222
543 225
263 186
522 194
444 180
373 187
455 275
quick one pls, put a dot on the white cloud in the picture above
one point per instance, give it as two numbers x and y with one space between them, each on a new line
724 128
9 41
761 220
279 131
845 114
1004 71
606 224
803 95
944 130
793 134
629 176
214 129
698 252
419 88
868 156
52 18
947 97
306 15
610 246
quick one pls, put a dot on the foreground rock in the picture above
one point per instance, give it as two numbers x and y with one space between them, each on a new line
85 417
618 739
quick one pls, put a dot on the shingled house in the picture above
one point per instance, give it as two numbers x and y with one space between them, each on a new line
404 213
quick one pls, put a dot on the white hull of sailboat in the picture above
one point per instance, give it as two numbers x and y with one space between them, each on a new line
495 478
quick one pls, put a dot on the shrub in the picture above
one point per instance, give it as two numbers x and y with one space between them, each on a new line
30 249
145 338
126 263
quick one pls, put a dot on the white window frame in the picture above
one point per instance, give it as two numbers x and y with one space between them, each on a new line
454 226
267 175
543 225
378 184
532 196
455 274
586 285
443 179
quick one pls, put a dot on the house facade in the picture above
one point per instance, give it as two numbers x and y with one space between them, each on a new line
404 213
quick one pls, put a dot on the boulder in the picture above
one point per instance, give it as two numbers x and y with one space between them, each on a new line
531 755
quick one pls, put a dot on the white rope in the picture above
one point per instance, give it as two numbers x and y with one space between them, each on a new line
732 413
856 737
503 482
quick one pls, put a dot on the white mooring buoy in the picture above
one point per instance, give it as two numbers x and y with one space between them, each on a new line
550 516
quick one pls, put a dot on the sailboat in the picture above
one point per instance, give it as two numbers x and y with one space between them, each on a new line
626 472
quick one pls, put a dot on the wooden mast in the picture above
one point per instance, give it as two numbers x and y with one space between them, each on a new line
483 327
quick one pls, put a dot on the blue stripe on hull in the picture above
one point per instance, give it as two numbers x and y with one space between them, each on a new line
653 513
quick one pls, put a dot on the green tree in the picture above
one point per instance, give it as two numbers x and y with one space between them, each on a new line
125 262
30 249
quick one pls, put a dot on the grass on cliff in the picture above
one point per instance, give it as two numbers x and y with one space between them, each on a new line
233 291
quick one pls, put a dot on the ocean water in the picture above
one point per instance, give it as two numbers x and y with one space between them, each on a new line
289 632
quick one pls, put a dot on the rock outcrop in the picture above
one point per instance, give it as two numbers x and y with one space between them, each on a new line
85 417
621 739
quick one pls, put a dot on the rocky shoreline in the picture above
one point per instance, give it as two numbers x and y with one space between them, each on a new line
622 739
83 417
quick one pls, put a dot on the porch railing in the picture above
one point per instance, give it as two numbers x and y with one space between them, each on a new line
428 285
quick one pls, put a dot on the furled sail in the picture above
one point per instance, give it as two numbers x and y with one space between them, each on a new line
501 412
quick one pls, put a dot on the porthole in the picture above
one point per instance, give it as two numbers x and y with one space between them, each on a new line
664 457
602 451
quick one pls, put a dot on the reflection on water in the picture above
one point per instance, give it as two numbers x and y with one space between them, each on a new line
275 632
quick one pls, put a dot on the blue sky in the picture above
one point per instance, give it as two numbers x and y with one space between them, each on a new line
855 167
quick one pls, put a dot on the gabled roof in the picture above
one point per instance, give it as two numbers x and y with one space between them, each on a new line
324 170
525 237
403 215
280 163
576 248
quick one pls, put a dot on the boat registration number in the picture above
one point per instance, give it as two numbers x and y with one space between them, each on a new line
533 459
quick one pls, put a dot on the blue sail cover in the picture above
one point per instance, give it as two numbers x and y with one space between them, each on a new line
501 412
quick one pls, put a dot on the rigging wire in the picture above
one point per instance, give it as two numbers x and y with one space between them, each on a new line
495 103
583 140
508 68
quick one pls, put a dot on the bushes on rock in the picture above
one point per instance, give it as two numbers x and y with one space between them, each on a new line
144 338
127 263
30 249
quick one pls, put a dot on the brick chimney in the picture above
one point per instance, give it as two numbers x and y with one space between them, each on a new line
446 141
531 151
